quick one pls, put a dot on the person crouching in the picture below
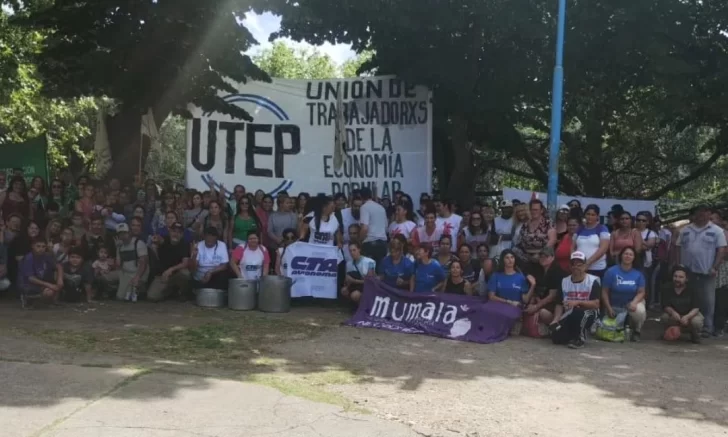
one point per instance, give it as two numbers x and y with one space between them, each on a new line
39 276
578 306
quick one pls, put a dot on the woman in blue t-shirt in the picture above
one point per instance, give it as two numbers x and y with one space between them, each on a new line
429 275
396 269
623 289
508 284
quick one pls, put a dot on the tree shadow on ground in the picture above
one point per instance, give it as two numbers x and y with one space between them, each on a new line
676 380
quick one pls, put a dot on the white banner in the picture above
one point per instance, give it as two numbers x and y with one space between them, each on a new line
605 205
313 268
290 143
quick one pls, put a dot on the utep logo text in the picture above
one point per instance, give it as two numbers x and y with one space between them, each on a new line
305 266
278 139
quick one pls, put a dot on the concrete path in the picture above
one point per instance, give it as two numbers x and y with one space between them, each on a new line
56 400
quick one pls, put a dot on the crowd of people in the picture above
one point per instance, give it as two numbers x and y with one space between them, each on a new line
85 239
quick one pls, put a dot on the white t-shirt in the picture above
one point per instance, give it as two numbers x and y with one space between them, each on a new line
404 229
374 216
450 225
587 242
250 261
648 253
363 266
348 220
325 233
208 258
503 226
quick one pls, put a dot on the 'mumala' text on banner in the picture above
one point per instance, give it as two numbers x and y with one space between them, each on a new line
313 268
289 145
466 318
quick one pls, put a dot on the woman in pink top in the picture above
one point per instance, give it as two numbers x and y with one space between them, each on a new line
250 261
428 234
624 235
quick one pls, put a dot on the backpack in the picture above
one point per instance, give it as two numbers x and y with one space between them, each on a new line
612 329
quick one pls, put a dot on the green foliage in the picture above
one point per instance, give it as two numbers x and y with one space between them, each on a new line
286 62
157 54
357 66
25 113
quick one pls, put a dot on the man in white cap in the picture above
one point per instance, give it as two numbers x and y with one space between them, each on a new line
578 306
133 257
504 228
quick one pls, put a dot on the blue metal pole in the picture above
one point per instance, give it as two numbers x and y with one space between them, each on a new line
557 97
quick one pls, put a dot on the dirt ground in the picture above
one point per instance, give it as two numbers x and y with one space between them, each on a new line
520 387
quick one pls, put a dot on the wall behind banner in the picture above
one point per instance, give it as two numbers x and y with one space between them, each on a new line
605 205
290 143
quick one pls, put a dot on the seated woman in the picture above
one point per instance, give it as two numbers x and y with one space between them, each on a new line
251 260
396 269
508 284
210 262
681 305
356 270
429 276
470 266
445 256
456 283
623 289
547 286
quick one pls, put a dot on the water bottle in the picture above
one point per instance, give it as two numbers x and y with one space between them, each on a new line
627 333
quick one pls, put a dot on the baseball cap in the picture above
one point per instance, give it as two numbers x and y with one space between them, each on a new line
698 207
578 256
505 203
122 227
177 226
547 251
564 207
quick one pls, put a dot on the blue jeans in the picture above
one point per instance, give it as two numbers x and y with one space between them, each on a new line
704 285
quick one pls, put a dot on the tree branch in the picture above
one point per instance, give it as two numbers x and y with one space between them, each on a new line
696 173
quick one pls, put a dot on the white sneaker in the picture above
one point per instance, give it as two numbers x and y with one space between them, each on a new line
128 295
133 296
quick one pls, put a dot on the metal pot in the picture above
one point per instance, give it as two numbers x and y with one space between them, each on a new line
211 298
275 294
242 294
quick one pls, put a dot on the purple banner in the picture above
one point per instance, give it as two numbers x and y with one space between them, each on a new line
465 318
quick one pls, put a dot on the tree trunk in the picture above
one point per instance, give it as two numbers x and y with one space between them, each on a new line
124 131
461 187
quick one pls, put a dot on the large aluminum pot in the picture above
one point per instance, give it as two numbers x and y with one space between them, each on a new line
275 294
242 294
211 298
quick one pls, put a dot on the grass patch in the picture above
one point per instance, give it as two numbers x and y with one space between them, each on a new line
225 342
312 387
